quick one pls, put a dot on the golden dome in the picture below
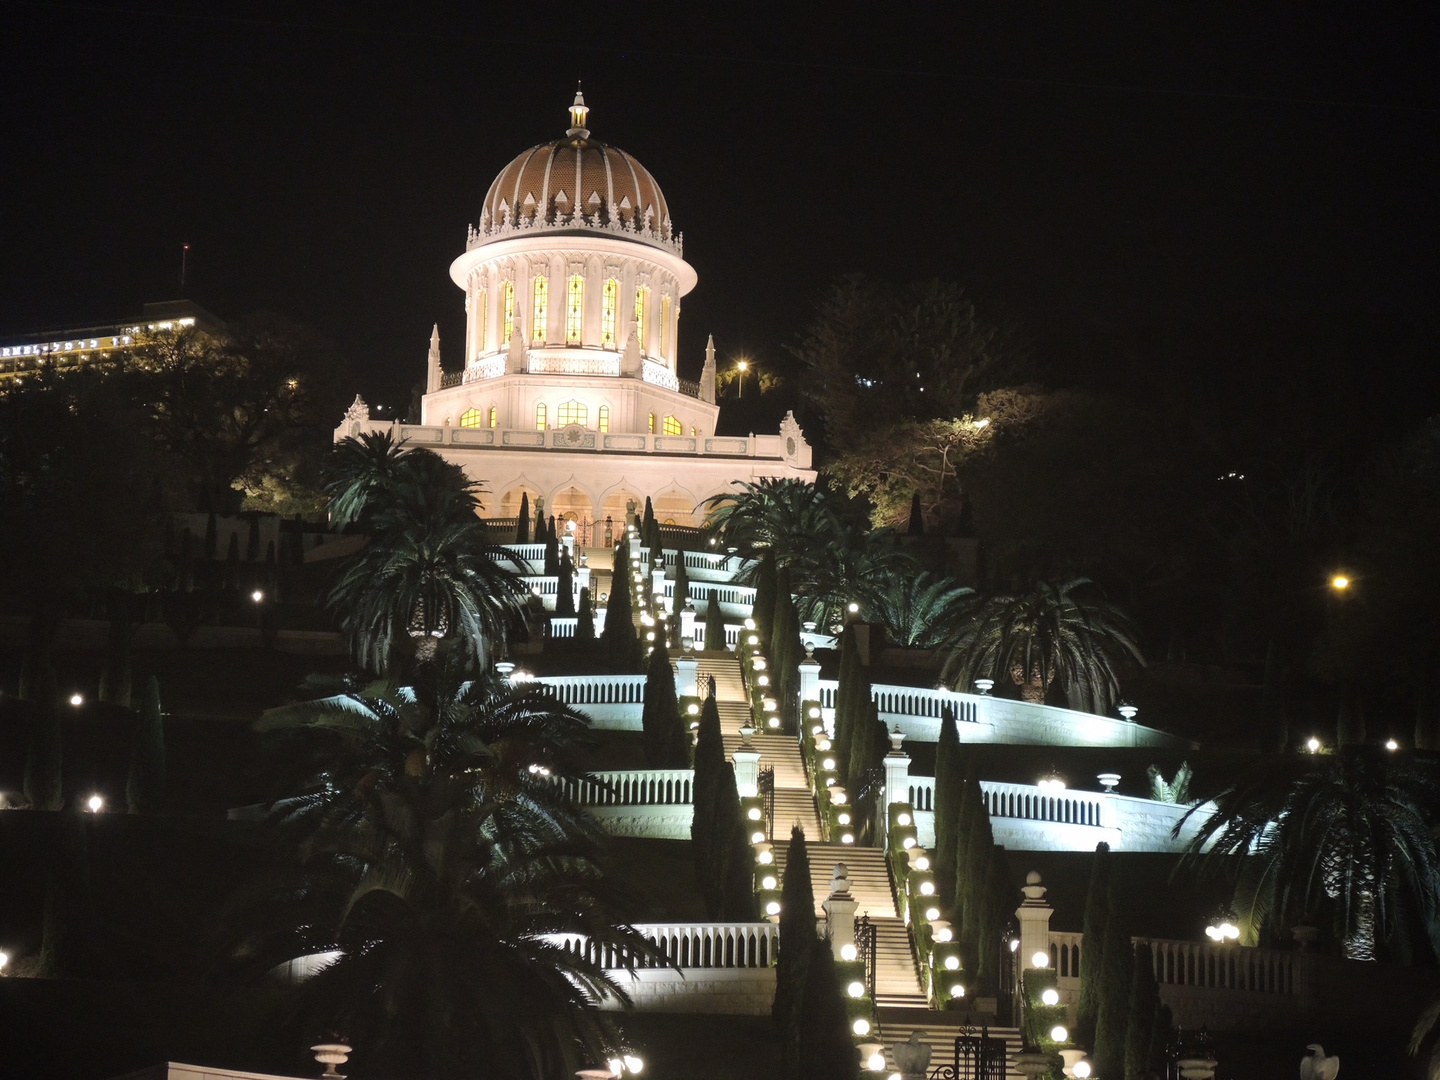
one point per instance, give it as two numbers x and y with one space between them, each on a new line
577 182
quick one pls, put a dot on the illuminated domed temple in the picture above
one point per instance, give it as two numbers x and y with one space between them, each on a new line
571 390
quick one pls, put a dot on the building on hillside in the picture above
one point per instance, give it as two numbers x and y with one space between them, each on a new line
69 346
570 389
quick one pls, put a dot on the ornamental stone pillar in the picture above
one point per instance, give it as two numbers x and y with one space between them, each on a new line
1034 917
897 779
809 676
747 765
839 908
687 665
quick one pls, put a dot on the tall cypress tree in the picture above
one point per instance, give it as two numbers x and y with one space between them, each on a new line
43 782
704 832
585 617
739 904
667 744
682 584
964 834
847 693
565 594
1092 946
622 644
827 1050
766 589
714 626
785 656
797 935
647 523
552 551
522 523
1117 965
145 786
976 880
948 781
1144 1011
917 517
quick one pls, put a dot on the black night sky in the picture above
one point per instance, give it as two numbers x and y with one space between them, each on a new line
1087 169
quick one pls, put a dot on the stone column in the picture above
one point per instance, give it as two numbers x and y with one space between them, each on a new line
657 583
897 779
1034 915
582 580
687 665
839 909
809 676
747 765
687 623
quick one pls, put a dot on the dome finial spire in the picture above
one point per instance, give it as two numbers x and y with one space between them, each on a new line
578 115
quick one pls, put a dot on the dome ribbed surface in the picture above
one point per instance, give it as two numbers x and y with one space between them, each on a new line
549 179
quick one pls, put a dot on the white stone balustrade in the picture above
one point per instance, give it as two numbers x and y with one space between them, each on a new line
986 719
736 601
1027 817
633 787
611 702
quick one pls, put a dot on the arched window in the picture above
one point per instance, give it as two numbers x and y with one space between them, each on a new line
604 417
540 417
540 316
694 431
673 426
509 313
574 308
642 309
665 326
470 418
607 312
652 423
494 416
571 412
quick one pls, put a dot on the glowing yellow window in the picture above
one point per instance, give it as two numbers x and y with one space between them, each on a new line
673 426
574 307
509 312
607 312
494 416
694 431
541 315
665 326
470 418
642 305
540 417
652 423
571 412
604 417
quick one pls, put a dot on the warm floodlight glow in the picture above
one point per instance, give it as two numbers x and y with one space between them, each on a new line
853 608
632 1063
861 1026
77 699
1313 745
749 624
932 913
1040 960
772 908
848 951
1340 583
753 813
4 959
257 596
1014 944
943 934
1082 1069
768 881
856 989
957 990
1391 744
952 963
1059 1033
902 818
982 423
1050 997
95 804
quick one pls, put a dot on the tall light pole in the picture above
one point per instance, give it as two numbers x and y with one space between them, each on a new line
742 366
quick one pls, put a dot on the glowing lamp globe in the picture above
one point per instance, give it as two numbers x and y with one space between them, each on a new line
1050 997
1059 1033
848 952
1040 960
856 989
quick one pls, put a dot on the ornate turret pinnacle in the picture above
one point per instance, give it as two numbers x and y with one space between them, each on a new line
578 116
434 371
707 374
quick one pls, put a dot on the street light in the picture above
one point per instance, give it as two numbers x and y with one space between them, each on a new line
1340 582
742 366
95 804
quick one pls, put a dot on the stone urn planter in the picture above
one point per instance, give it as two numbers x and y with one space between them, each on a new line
1196 1068
1032 1064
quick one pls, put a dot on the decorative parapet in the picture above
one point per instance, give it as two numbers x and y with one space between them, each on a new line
515 224
982 718
633 787
491 367
660 375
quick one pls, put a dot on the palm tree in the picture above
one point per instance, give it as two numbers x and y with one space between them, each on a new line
437 858
922 611
1348 833
1054 634
429 570
779 515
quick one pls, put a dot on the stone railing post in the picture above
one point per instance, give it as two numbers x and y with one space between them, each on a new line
809 676
657 587
687 623
839 909
582 581
747 765
1034 916
897 779
686 667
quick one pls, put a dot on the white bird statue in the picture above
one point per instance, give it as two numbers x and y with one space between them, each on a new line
1317 1066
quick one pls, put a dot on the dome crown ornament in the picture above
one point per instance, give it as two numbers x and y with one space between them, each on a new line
579 114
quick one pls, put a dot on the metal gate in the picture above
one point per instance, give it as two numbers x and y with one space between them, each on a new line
977 1057
865 936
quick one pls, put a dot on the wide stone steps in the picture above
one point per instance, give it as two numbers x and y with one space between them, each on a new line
779 752
938 1031
794 808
